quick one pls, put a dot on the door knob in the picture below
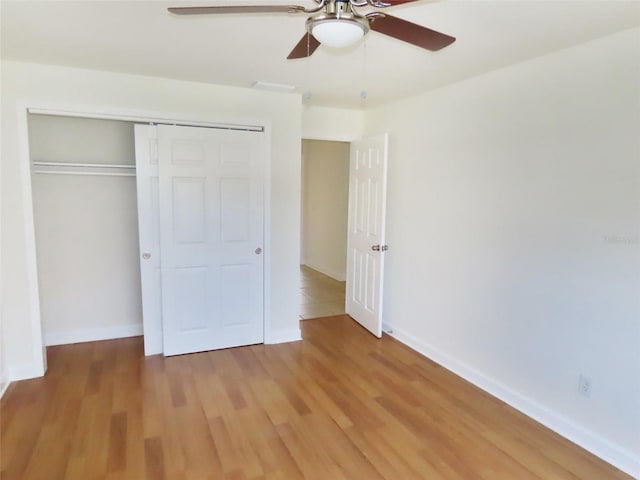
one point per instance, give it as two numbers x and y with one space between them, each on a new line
258 251
375 248
146 255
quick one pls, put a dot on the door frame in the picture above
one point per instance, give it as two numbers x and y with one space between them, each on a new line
323 138
348 139
38 366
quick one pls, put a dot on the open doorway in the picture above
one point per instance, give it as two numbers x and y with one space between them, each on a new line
324 211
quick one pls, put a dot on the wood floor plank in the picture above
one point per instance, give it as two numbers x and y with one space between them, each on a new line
308 459
230 458
117 457
327 435
154 459
341 404
391 442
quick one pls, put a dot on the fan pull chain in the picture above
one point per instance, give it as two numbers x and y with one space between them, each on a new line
363 93
306 96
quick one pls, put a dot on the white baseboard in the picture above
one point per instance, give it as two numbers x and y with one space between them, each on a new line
614 454
285 336
92 334
4 382
24 372
339 276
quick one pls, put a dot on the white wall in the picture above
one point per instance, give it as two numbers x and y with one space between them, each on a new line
88 262
339 124
513 222
4 375
29 84
54 138
325 203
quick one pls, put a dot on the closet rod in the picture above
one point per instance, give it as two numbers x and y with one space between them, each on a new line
96 174
82 165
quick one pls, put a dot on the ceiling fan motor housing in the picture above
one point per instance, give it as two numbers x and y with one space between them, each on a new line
338 11
339 7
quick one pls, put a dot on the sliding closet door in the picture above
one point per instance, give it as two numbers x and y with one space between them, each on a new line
211 219
149 236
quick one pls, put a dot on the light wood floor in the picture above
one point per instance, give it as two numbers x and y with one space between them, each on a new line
338 405
320 295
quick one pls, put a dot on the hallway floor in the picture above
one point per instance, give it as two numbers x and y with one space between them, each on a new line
320 295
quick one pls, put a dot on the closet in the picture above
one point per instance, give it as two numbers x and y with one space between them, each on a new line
154 229
86 226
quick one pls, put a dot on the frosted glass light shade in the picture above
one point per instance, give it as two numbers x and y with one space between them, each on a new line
337 33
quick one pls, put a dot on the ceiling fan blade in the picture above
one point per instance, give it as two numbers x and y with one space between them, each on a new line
410 32
237 9
305 47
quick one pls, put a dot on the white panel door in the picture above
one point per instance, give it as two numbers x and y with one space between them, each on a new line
366 235
149 236
211 233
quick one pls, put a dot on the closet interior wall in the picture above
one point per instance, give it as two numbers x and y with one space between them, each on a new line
86 226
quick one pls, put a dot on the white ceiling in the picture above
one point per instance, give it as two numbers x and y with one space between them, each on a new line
141 37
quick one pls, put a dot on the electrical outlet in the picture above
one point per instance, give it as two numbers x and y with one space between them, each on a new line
584 386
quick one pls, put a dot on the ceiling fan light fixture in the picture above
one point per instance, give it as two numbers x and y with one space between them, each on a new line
337 33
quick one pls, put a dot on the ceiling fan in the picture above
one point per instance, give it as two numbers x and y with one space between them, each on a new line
338 23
